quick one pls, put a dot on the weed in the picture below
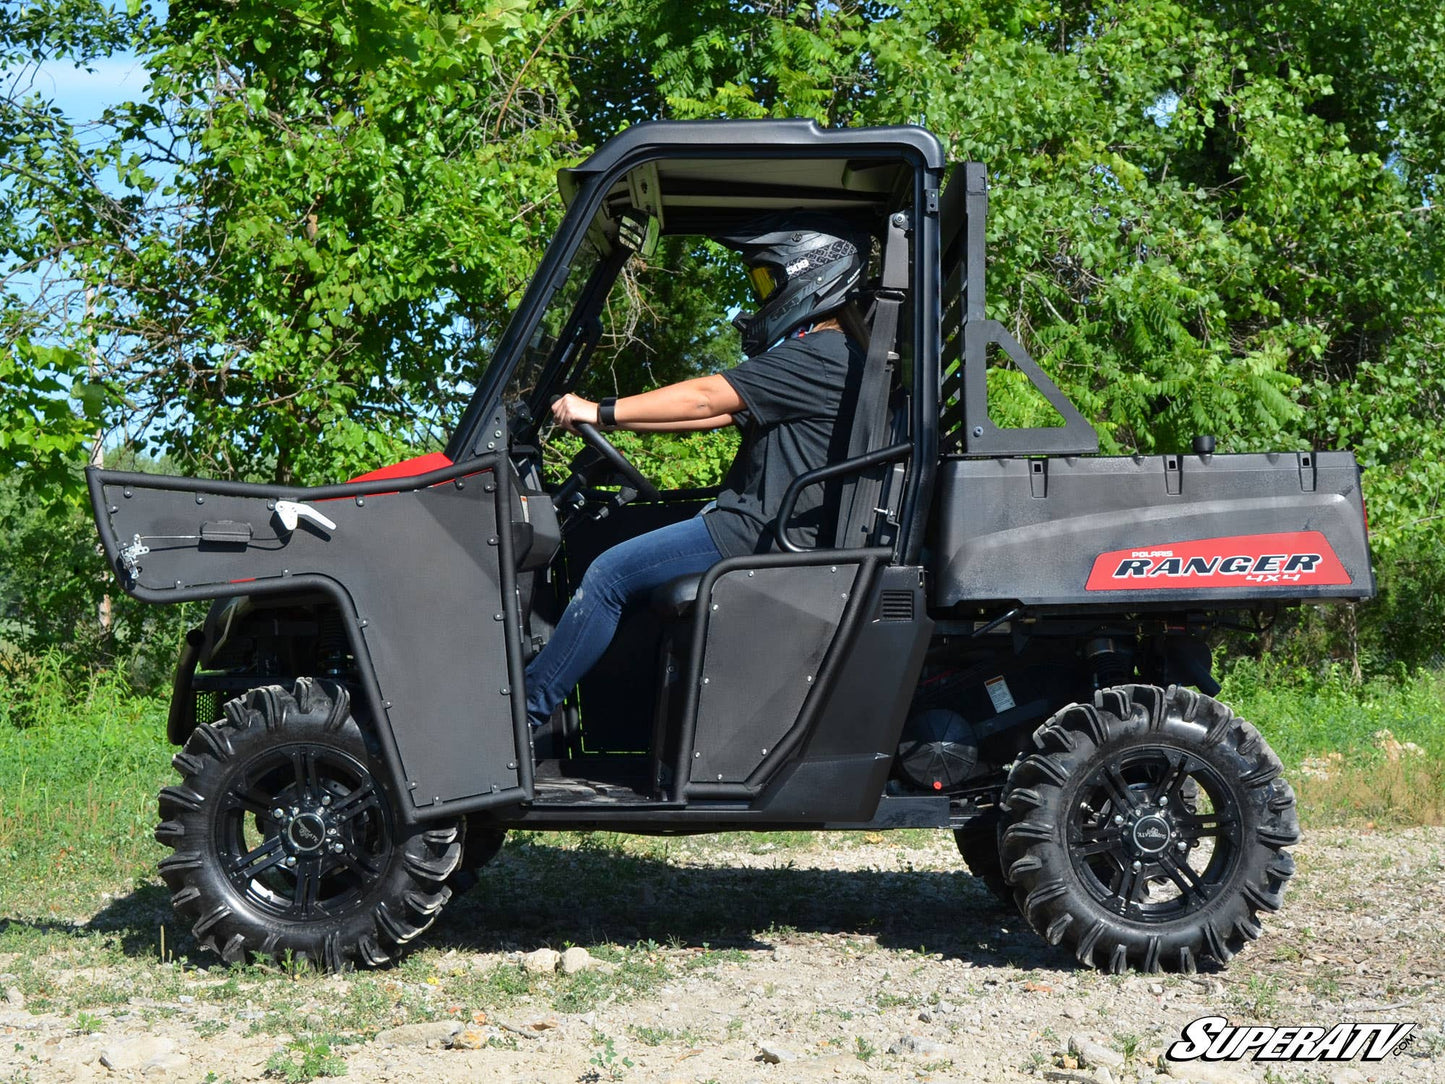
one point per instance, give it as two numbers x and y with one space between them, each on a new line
886 999
303 1060
1261 996
606 1059
1129 1044
863 1050
87 1024
650 1036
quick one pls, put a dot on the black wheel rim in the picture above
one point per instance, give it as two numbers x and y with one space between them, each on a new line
303 832
1154 833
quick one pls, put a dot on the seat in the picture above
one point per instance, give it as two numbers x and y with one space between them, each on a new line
879 411
676 597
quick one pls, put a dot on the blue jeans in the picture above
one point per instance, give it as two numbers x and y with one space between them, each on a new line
621 576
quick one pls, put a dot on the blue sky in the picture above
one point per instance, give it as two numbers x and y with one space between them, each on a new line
82 94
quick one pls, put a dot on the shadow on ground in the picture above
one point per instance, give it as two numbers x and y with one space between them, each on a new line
535 894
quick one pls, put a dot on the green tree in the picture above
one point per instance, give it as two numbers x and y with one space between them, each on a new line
290 260
296 251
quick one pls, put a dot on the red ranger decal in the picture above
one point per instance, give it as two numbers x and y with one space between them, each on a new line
1252 560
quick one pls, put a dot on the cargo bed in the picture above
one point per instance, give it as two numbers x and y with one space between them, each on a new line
1194 530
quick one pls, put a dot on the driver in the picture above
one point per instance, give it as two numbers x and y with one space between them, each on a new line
786 398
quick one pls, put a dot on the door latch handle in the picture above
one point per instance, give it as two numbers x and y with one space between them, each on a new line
292 512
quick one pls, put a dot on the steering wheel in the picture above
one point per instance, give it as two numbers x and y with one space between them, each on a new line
594 439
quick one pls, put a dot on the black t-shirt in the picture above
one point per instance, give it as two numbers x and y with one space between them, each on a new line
799 397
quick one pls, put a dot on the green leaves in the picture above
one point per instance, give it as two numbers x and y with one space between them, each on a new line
1213 219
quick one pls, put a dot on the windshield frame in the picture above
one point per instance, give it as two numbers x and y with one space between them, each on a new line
552 274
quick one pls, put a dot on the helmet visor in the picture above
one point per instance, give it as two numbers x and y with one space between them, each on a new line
763 282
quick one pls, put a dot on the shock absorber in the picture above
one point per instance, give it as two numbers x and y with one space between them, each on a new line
331 646
1111 658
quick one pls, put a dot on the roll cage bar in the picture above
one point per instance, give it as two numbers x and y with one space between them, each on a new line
723 173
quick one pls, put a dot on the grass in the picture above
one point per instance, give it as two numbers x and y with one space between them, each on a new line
1354 753
77 790
77 808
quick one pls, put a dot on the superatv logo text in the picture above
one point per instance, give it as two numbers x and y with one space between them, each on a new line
1248 561
1213 1038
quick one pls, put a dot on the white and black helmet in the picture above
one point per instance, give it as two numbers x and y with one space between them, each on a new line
801 264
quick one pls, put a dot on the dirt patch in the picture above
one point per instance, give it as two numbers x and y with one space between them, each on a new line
793 958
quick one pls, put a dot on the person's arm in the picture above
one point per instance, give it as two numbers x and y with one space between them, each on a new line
704 402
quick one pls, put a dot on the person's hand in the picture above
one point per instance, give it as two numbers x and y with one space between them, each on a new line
571 409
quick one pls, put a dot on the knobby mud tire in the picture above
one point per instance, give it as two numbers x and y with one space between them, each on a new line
1090 849
483 843
290 775
978 843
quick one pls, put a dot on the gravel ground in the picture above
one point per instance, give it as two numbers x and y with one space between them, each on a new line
815 958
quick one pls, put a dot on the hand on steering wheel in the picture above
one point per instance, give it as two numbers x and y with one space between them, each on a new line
615 459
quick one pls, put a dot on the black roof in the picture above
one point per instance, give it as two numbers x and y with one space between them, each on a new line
696 175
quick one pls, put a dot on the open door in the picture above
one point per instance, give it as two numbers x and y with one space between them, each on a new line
420 573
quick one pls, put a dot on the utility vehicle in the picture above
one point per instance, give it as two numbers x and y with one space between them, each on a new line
1006 636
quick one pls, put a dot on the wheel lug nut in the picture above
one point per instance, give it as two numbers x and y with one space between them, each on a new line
1138 866
326 799
278 813
1182 847
332 832
291 860
1163 802
1118 818
337 848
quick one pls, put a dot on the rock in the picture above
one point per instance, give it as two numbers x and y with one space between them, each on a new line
775 1054
431 1033
14 997
542 962
924 1016
133 1053
916 1044
1156 988
1103 1076
1092 1054
577 959
469 1038
171 1062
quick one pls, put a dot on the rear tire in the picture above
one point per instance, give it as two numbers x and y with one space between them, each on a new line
286 837
978 843
483 843
1112 853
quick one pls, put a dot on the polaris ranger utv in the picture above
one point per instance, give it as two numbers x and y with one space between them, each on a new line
1005 635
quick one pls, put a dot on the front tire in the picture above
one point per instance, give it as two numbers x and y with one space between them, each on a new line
1149 830
287 841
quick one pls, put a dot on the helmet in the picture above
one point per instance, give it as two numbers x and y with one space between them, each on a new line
800 264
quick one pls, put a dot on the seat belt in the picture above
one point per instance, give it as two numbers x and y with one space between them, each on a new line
859 508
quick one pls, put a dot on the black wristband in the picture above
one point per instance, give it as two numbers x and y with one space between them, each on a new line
607 412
